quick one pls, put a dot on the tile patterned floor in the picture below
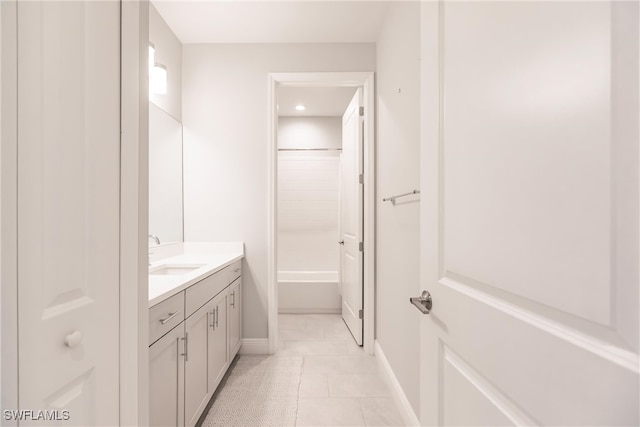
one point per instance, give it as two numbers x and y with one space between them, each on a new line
339 385
260 391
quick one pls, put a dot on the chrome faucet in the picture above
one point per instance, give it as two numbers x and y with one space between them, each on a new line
155 238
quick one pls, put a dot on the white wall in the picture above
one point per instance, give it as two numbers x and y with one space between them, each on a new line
309 132
308 193
397 227
169 53
225 145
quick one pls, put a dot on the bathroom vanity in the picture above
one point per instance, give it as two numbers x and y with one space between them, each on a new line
194 329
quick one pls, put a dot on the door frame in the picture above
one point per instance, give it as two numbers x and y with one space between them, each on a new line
366 81
9 208
134 213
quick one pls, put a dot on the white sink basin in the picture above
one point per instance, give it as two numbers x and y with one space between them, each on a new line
174 269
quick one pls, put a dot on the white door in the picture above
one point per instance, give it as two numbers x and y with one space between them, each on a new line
68 211
529 215
351 198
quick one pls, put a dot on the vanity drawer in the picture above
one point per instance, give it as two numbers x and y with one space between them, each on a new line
165 315
199 294
235 270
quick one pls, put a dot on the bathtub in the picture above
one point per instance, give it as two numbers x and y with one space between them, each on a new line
308 292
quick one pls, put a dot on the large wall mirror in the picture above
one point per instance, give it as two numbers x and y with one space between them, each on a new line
165 176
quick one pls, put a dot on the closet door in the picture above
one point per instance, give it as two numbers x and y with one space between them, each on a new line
68 68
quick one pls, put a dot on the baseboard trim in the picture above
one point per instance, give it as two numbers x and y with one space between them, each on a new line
337 310
408 415
254 346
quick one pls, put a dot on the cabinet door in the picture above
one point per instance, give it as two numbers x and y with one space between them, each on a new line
166 379
218 359
197 337
235 317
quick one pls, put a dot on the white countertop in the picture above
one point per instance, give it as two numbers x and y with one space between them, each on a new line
214 258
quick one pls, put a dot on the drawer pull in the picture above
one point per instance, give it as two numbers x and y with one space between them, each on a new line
171 316
236 270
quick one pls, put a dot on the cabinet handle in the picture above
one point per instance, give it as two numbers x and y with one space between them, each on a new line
171 316
217 316
213 322
233 299
186 346
236 270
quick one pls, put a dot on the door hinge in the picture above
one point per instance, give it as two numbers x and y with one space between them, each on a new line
361 111
360 314
361 179
361 247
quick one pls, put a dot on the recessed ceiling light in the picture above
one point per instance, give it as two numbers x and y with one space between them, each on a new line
300 107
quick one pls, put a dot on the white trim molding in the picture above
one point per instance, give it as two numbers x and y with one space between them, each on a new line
254 346
309 310
9 209
134 214
366 81
272 217
408 415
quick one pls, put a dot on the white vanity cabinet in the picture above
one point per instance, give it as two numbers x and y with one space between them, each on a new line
194 335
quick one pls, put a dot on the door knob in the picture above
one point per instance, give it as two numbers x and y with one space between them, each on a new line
341 242
73 339
423 302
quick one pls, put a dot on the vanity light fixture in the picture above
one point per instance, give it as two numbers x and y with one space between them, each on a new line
152 57
158 79
300 107
157 73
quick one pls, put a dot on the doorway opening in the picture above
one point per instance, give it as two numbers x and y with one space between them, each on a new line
321 202
311 208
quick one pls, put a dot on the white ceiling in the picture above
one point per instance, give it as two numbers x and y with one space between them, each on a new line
320 101
267 21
